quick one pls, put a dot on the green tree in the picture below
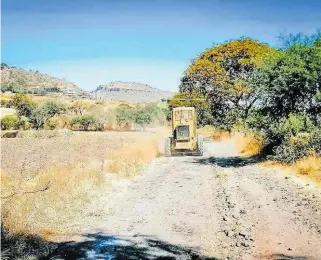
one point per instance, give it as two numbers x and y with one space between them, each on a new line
44 112
84 121
124 115
220 73
142 117
23 104
291 82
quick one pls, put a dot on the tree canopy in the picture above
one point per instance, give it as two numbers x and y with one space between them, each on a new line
221 73
242 76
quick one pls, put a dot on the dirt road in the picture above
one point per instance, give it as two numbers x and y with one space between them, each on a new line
219 206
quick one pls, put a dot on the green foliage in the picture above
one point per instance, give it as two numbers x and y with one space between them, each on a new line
316 140
297 147
43 112
276 92
14 88
37 114
5 88
158 115
292 126
23 90
4 103
142 117
12 122
220 74
23 104
292 83
84 121
127 116
124 115
291 150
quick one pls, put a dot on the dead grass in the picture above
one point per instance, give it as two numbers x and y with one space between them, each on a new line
58 178
309 166
128 160
213 133
34 152
45 203
249 144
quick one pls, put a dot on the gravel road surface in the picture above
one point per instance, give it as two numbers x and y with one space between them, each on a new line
218 206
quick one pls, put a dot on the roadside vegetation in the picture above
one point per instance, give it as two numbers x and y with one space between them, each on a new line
55 178
64 154
270 97
79 115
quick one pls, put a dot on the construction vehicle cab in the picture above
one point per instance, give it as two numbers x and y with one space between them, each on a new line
184 139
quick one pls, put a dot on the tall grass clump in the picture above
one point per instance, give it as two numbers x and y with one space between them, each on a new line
130 159
309 166
38 207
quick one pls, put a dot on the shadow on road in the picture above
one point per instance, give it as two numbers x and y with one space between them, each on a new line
284 257
100 246
225 162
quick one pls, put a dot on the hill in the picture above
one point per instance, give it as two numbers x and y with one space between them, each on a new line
33 82
130 91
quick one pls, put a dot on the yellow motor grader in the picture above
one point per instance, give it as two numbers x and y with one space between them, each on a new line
184 140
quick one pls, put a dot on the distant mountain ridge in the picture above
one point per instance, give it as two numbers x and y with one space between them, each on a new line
130 91
20 80
32 82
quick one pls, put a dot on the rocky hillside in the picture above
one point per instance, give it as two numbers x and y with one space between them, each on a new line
130 91
33 82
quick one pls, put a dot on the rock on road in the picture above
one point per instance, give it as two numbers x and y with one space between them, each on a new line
218 206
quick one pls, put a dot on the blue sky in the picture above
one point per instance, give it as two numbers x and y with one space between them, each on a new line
92 42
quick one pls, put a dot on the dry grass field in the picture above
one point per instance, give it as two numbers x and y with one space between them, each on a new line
48 182
32 155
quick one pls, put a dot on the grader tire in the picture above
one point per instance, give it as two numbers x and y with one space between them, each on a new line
200 145
168 151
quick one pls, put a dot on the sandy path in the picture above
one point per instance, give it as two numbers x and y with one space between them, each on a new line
218 206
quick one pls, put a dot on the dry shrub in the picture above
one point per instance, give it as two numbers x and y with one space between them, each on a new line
45 203
214 133
61 121
309 166
128 160
249 144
